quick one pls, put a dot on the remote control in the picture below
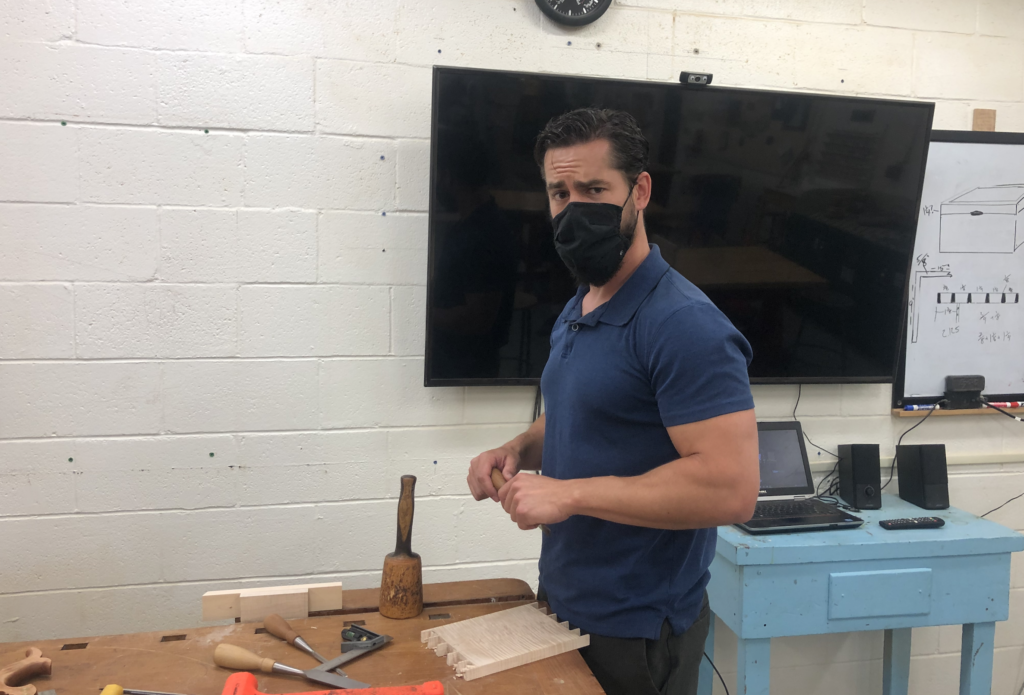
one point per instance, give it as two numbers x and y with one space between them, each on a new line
917 522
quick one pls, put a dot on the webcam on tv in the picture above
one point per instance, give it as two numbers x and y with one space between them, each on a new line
695 79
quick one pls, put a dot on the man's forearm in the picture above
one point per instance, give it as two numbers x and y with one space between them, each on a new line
682 494
530 446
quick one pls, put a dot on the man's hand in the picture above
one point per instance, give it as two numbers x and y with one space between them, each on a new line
532 500
503 458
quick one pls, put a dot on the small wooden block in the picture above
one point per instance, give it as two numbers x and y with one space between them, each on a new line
984 119
227 604
287 601
325 597
497 642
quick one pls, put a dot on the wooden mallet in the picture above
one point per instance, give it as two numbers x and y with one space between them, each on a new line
401 584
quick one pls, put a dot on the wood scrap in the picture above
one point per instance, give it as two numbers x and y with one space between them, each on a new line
295 601
497 642
34 664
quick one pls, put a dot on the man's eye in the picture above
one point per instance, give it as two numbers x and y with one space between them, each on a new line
596 191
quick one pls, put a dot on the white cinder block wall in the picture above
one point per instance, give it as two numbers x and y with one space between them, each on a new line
212 268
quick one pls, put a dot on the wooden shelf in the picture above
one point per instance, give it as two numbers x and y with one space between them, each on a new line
943 413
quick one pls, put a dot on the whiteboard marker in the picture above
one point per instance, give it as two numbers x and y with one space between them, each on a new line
922 407
1006 404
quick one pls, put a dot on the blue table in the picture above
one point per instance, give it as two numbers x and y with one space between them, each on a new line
783 585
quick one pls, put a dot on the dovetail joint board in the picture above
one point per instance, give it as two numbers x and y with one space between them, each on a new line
247 604
499 641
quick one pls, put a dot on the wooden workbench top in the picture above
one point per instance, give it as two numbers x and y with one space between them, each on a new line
181 661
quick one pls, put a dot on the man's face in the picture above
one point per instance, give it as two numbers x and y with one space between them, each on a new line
583 174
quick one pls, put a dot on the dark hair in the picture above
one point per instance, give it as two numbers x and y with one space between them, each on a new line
629 147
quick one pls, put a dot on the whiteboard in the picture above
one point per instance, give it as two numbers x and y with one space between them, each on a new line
965 311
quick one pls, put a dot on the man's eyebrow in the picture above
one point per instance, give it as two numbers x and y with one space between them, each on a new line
579 185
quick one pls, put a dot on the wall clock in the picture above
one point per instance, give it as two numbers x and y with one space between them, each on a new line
574 13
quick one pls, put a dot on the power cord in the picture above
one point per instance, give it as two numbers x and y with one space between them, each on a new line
817 494
537 403
892 468
722 680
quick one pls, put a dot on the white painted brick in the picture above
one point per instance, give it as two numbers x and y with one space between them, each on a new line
440 456
828 11
863 60
739 52
450 32
40 162
370 248
939 674
184 24
924 15
319 172
24 493
38 321
240 395
121 454
413 173
308 483
486 404
131 320
1001 18
372 99
924 641
75 82
619 30
408 320
349 29
153 489
236 91
388 392
289 449
49 456
965 435
953 115
866 399
60 242
213 245
774 401
313 321
660 67
829 432
960 67
64 399
37 20
813 650
979 494
590 61
161 167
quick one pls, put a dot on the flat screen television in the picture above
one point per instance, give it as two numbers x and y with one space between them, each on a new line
795 213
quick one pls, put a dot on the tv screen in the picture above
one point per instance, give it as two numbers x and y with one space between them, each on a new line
795 213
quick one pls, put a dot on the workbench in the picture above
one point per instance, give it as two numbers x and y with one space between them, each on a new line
867 578
181 661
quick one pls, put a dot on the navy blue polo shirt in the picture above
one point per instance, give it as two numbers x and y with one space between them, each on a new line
656 355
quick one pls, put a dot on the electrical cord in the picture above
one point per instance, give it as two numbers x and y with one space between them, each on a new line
799 393
537 402
722 680
892 468
995 407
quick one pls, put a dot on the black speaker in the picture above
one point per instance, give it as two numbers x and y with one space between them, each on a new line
922 471
860 479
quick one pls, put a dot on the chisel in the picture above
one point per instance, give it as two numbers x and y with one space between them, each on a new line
497 479
231 656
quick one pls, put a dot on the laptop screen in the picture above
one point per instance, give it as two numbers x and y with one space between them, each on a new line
783 459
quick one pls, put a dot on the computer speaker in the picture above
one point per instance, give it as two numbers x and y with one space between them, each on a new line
922 472
860 478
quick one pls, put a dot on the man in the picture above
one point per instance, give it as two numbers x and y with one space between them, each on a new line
649 439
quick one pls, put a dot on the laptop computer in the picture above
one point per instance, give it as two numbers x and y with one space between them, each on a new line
785 503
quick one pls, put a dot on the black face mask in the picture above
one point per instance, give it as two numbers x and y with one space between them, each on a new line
589 242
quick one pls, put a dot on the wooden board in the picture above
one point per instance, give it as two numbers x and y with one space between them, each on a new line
295 601
496 642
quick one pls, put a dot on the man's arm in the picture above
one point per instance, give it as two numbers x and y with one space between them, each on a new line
714 483
522 453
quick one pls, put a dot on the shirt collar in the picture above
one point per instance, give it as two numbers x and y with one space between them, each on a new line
618 310
624 303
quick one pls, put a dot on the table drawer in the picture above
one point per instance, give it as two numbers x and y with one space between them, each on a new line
879 593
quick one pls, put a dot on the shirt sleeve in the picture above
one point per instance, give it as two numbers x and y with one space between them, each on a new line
697 361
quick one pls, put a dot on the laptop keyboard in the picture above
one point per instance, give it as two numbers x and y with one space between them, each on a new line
787 508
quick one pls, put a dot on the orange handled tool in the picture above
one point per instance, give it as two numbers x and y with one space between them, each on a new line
245 684
497 479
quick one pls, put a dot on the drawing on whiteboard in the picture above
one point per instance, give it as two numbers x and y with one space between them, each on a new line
922 273
986 219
